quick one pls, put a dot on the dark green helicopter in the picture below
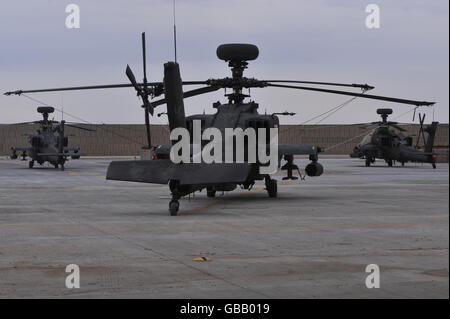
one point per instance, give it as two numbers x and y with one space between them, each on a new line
388 143
186 178
49 143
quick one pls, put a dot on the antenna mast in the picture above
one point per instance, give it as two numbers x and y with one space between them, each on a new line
174 30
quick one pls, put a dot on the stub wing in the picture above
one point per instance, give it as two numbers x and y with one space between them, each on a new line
283 149
21 149
161 171
60 154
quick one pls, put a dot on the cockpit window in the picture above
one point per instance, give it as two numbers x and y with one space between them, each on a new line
367 139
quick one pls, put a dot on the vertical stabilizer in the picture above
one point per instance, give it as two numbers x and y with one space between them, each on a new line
173 92
431 130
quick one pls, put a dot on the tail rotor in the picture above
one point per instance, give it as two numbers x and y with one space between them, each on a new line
144 92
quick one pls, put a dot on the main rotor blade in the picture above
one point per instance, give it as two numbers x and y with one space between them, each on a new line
95 87
366 96
91 87
187 94
398 127
355 85
366 126
393 124
80 128
23 123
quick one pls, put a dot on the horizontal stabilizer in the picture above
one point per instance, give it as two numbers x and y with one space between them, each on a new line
161 171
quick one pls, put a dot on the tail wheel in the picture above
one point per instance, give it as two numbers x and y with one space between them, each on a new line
174 205
210 193
272 187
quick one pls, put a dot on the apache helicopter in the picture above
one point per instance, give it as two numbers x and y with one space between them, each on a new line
49 144
186 178
386 143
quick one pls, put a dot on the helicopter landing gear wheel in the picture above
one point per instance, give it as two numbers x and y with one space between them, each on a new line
271 187
174 205
210 192
30 164
368 161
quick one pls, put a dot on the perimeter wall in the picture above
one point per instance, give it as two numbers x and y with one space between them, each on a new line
127 139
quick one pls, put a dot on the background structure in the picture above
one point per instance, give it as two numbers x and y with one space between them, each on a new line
128 139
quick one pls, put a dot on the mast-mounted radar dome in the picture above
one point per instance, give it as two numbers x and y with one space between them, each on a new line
384 111
45 109
237 52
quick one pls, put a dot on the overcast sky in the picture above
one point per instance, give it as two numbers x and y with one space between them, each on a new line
325 40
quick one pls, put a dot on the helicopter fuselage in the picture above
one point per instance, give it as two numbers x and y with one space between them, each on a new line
387 145
229 116
48 144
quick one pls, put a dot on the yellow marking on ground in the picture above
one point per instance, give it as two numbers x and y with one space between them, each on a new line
202 259
237 227
256 190
196 210
16 162
95 174
72 173
98 175
290 182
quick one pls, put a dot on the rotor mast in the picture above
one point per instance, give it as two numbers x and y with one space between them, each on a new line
237 56
237 70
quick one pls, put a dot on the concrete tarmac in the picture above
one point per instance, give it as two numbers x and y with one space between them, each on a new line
313 241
